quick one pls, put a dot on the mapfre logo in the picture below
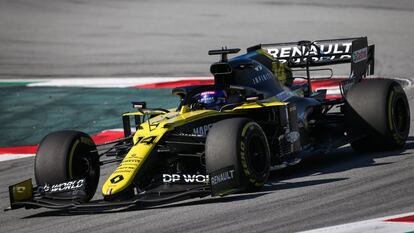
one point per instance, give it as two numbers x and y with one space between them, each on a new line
202 130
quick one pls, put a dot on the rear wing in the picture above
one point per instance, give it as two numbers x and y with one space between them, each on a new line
325 52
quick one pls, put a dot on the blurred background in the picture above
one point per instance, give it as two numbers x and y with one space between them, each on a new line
93 38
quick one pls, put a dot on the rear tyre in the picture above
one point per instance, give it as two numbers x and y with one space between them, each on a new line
377 115
65 156
241 143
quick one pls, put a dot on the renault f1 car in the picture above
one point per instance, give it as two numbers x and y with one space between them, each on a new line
225 138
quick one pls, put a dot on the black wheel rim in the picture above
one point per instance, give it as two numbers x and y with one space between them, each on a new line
257 154
82 162
84 166
399 115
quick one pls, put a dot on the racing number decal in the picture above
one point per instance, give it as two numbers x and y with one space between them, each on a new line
146 140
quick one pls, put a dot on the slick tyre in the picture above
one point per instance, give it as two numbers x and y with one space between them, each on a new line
241 143
377 115
65 156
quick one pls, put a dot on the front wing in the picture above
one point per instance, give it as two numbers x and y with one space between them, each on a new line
25 195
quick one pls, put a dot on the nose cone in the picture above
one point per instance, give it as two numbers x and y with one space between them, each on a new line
124 174
145 141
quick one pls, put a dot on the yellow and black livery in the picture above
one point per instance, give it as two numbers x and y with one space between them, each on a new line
194 150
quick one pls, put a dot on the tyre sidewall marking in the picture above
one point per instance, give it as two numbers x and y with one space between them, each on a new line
398 138
71 154
250 126
243 158
390 103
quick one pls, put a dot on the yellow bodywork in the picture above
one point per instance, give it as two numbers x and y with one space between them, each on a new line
152 130
280 70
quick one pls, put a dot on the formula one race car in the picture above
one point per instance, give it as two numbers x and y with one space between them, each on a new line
225 138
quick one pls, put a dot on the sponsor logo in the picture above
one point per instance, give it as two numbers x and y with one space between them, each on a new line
226 180
360 55
134 161
202 130
222 177
326 52
347 84
262 78
62 187
258 67
117 179
20 189
186 178
46 188
292 136
284 95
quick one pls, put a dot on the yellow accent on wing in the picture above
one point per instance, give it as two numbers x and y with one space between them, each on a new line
280 70
185 109
258 105
144 112
22 191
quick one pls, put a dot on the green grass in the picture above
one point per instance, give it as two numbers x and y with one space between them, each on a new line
27 114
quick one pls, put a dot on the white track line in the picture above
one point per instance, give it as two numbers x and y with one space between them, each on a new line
102 82
6 157
124 82
378 225
330 90
408 82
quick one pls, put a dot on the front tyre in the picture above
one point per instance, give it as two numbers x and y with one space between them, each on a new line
241 143
65 156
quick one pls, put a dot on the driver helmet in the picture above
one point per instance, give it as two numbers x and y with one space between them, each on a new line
211 99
